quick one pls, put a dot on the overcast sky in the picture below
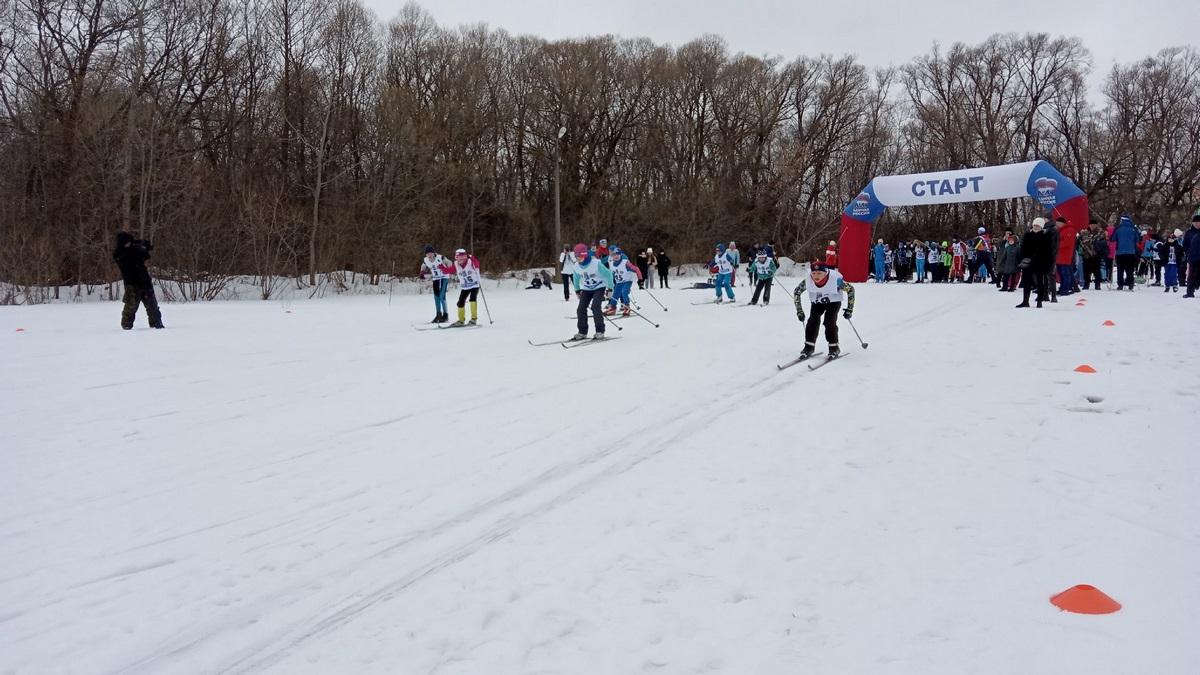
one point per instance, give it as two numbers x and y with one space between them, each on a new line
879 32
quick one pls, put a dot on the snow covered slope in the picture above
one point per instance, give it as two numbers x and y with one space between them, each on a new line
331 491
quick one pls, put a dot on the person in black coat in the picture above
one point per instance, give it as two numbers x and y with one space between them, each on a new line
664 266
1037 261
643 265
131 256
1191 251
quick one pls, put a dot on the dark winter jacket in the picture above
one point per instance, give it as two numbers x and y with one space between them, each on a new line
664 263
1126 236
1039 248
1164 252
643 264
131 256
1191 244
1052 230
1008 256
1093 244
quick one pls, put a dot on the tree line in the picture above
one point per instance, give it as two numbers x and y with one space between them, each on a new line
293 138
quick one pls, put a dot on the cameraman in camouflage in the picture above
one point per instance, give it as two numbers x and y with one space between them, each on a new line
131 255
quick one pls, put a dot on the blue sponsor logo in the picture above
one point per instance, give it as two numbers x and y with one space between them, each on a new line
861 205
1047 190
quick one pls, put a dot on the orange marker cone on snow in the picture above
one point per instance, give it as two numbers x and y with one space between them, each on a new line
20 330
1081 304
1108 323
1085 368
1085 599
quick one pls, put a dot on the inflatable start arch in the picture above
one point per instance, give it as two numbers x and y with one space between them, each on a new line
1037 179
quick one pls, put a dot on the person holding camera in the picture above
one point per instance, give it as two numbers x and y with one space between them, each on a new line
131 255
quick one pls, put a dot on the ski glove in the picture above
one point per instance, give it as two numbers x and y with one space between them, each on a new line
846 314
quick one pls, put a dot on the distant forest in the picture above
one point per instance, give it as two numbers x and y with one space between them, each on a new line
299 137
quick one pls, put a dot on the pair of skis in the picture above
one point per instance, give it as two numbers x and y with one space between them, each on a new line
448 326
572 344
730 303
812 366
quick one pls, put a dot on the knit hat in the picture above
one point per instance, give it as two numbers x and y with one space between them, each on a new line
581 249
982 230
721 248
429 248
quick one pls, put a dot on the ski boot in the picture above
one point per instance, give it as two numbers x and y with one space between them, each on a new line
807 352
626 311
718 300
578 337
610 310
834 351
437 319
458 324
599 336
472 322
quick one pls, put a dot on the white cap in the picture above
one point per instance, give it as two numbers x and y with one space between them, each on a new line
460 251
1039 222
982 230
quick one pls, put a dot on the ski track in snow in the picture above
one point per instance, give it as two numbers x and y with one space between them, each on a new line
314 513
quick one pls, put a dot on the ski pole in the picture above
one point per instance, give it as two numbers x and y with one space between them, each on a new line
483 296
637 313
391 283
860 340
656 300
607 319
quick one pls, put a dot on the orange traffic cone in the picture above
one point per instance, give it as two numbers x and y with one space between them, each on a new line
1085 599
1085 368
1108 323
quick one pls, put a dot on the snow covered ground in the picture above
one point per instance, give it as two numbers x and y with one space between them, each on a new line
318 488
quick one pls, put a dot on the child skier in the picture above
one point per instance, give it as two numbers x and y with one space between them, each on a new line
624 273
825 288
1170 257
763 270
469 276
437 268
958 254
919 253
591 280
722 266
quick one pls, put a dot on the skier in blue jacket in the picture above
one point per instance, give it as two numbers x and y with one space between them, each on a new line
880 262
722 265
1126 236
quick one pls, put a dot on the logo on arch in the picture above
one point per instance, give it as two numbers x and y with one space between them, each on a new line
862 205
1047 190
